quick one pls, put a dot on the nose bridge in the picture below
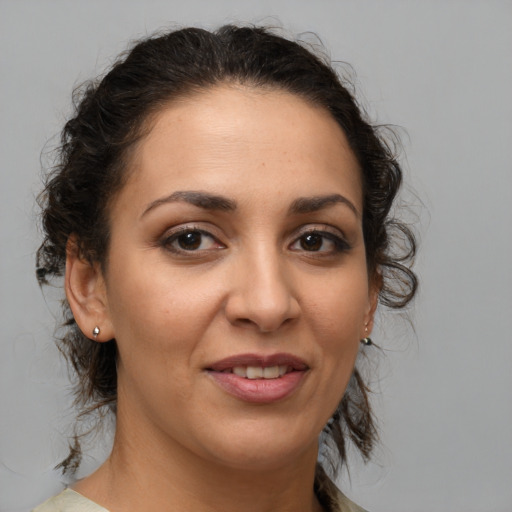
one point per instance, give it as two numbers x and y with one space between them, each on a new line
262 294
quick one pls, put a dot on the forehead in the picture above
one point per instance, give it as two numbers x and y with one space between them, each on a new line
257 138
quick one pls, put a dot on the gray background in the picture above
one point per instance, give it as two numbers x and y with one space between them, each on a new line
440 69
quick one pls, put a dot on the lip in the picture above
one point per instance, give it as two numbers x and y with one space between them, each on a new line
259 360
259 390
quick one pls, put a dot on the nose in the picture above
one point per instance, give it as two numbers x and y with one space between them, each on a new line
262 295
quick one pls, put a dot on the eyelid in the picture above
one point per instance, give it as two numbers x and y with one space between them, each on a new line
321 228
331 233
172 234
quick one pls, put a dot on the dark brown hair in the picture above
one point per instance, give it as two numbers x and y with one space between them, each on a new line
111 114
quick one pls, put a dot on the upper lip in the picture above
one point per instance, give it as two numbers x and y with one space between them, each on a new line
281 359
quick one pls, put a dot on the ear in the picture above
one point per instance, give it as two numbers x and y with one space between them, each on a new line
373 300
86 293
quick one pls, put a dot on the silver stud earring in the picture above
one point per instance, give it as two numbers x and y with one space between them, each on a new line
95 332
366 340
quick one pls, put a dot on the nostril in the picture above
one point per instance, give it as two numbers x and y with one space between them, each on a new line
263 326
245 322
264 300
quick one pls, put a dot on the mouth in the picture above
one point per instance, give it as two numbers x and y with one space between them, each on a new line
252 366
255 378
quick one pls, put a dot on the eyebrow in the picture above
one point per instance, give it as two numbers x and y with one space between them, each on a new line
316 203
196 198
214 202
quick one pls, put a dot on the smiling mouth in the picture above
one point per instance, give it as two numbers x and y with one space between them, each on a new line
257 378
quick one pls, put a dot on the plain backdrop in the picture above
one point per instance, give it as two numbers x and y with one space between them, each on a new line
442 70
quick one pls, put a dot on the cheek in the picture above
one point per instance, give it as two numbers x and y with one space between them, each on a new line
156 335
159 315
337 316
338 310
144 296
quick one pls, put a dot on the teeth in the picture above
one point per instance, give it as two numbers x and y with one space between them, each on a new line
254 372
271 372
240 371
258 372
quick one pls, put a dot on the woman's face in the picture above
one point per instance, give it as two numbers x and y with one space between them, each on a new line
236 283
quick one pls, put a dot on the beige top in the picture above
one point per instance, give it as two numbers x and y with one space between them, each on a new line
71 501
329 495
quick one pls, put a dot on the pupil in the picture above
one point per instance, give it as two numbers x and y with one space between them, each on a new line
190 241
311 242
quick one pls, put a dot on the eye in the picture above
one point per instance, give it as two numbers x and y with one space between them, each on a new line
191 240
323 242
311 242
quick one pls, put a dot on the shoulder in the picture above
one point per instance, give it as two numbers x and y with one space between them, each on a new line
69 501
345 505
331 498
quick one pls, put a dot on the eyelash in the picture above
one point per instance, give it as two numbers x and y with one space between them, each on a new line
340 245
168 241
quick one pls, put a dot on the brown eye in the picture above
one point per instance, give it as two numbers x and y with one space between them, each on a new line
190 241
322 242
311 242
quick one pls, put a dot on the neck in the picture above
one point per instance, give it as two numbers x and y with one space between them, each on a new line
143 473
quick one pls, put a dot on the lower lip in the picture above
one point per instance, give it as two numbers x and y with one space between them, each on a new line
258 390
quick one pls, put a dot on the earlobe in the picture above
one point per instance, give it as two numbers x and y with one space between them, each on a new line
370 315
373 300
86 294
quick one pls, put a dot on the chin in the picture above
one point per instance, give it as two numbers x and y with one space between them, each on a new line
264 449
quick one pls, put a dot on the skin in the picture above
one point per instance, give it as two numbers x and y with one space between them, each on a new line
253 284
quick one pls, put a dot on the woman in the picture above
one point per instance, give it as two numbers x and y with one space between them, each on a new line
221 216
